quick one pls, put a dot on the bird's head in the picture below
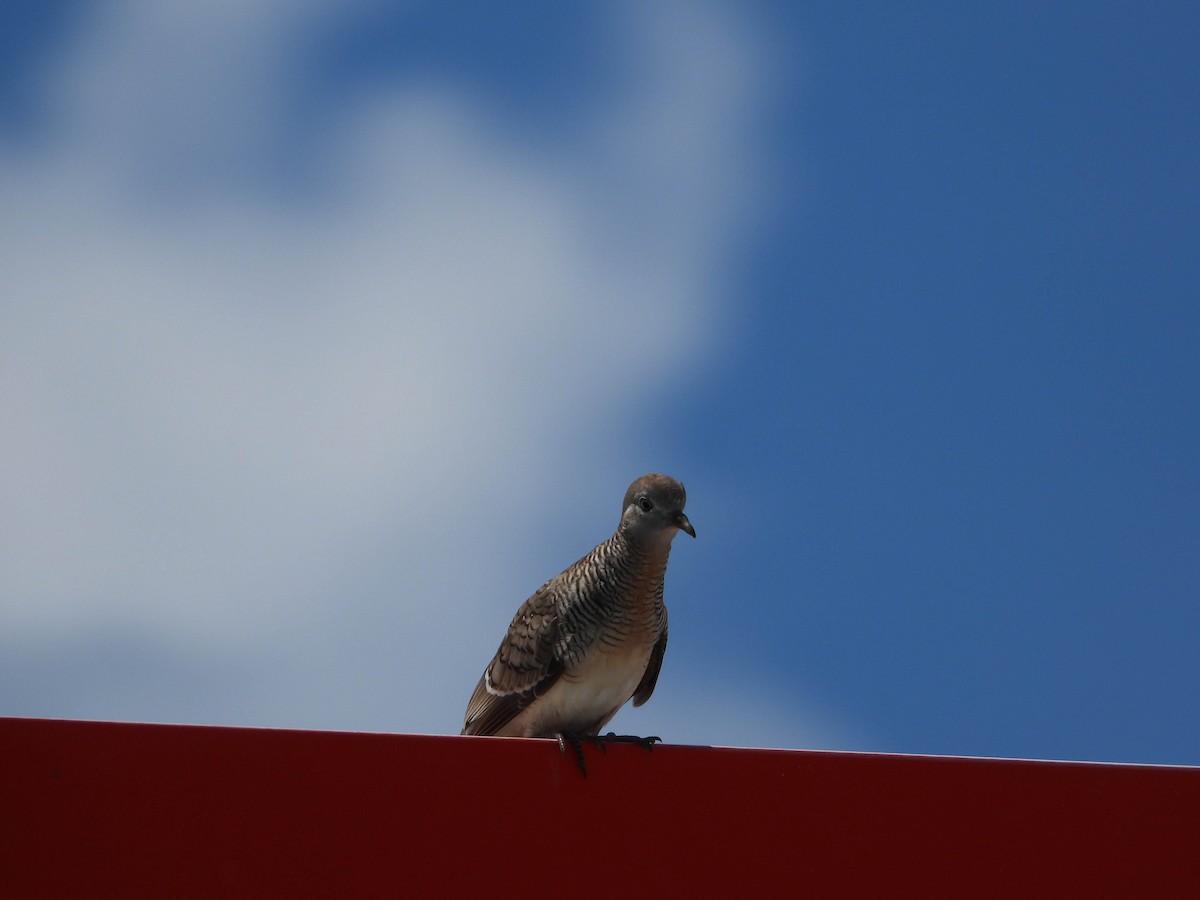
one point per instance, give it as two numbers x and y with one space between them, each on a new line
653 509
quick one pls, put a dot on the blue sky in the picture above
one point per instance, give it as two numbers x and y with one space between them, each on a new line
328 331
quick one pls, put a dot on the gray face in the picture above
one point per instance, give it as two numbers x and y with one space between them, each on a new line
653 508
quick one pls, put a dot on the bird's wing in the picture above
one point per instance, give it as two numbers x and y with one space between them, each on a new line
524 668
650 677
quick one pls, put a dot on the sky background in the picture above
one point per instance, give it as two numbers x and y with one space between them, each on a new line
330 330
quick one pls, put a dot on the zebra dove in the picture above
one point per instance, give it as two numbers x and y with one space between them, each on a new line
590 638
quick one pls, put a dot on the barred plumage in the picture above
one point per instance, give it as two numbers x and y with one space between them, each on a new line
592 637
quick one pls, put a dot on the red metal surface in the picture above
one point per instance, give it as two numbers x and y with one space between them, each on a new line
91 809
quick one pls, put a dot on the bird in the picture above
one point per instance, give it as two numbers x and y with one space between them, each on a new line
592 637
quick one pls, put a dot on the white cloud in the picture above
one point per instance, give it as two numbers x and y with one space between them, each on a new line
326 437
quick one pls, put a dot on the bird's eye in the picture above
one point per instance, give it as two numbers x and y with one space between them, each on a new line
645 505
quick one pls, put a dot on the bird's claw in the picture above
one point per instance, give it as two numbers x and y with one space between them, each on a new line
646 743
576 743
602 741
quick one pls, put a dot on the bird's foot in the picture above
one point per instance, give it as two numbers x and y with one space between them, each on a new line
602 741
576 742
646 743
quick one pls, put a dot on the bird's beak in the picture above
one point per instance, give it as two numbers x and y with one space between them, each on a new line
682 523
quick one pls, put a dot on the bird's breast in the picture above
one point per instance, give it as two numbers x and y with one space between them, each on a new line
588 695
